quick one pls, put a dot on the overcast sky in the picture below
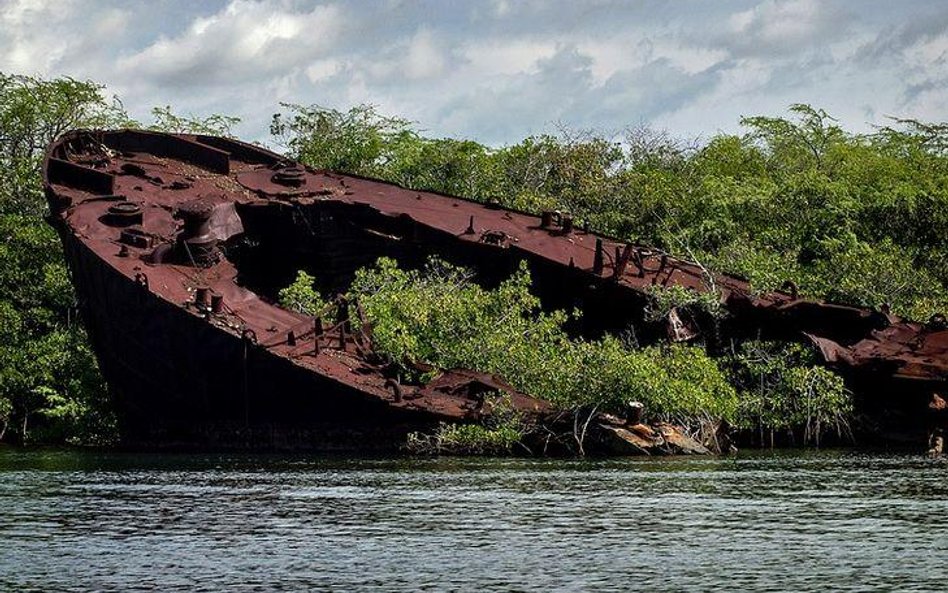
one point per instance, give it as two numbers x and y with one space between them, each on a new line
498 70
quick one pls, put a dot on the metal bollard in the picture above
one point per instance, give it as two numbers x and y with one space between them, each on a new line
597 259
201 296
546 219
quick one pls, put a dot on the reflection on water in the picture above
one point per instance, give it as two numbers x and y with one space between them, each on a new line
799 521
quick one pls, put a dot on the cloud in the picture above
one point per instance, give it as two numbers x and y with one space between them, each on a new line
493 57
412 58
497 70
321 70
424 58
30 34
785 25
247 40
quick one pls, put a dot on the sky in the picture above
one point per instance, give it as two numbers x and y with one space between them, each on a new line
498 70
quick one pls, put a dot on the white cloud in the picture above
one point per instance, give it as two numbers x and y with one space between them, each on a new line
504 56
690 59
31 34
610 56
424 58
246 40
785 28
779 22
322 69
929 52
501 7
496 70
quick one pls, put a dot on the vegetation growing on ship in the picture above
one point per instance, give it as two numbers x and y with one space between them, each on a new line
664 299
467 439
166 120
857 218
301 296
440 316
860 218
502 433
785 395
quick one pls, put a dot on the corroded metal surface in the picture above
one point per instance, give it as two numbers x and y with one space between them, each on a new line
152 222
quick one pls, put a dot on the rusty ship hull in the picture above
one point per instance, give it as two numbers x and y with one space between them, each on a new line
177 245
178 381
184 375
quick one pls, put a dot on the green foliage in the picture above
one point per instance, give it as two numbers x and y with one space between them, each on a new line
165 120
457 167
782 391
856 218
666 298
465 439
34 112
439 316
302 296
50 387
856 272
500 435
54 389
573 172
359 141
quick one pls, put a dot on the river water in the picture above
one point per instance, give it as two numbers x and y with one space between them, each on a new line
777 521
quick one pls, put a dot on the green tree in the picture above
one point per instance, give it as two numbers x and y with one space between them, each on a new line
33 113
166 120
302 296
48 377
784 392
440 316
359 141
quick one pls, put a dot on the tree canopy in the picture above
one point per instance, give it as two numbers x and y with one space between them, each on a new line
855 218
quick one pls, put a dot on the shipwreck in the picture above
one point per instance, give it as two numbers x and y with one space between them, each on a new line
177 245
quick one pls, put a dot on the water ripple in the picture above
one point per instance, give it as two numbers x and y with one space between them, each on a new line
832 520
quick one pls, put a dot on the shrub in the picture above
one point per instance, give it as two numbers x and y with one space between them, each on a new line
465 439
441 317
782 391
302 296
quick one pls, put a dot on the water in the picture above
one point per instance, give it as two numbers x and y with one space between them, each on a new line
833 520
